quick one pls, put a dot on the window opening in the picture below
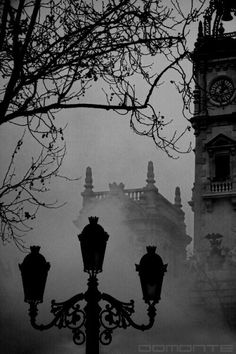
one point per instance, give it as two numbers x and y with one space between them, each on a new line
222 167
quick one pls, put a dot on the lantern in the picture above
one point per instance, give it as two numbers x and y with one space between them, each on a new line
151 271
228 6
34 270
93 241
227 15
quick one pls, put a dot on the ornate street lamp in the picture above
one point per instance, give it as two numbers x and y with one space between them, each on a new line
34 271
92 323
93 240
151 271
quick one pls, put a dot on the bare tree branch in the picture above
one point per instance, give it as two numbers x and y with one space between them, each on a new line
57 54
21 195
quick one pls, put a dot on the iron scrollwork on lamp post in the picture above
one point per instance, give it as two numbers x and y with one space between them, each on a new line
92 324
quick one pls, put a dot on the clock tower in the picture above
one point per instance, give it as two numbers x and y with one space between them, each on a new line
214 123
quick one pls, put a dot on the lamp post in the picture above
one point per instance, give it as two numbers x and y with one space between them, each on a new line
92 324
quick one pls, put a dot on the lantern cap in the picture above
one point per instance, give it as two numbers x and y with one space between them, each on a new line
93 229
151 260
35 249
34 257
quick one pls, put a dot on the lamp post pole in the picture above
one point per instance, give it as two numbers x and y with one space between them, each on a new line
92 311
92 324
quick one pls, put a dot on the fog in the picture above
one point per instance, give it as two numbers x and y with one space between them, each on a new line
105 142
179 327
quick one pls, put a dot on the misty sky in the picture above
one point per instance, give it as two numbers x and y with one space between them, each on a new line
104 141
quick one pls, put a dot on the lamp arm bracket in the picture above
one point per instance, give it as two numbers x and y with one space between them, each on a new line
119 309
118 314
67 314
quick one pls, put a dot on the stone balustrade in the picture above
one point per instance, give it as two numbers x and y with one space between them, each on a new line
221 187
134 194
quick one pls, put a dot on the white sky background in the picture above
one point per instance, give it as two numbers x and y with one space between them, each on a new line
104 141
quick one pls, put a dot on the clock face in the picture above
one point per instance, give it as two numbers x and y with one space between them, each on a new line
222 90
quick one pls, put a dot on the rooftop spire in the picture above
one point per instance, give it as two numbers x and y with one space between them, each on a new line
150 174
88 179
200 30
88 193
150 178
178 197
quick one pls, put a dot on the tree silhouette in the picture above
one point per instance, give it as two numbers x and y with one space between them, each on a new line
55 54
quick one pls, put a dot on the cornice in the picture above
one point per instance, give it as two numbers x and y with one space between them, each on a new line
204 121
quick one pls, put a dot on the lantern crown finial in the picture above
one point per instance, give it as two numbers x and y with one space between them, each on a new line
35 249
93 220
151 249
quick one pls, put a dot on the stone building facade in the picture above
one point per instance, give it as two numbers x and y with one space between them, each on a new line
147 214
214 192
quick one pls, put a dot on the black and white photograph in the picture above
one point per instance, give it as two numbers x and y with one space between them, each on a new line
117 176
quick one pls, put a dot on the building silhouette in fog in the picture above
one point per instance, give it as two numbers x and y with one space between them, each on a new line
148 215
